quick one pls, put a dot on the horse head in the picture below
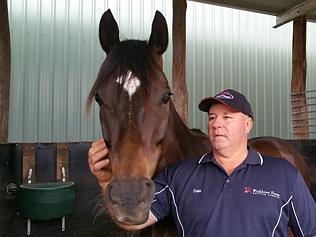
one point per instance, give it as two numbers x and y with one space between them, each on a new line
134 99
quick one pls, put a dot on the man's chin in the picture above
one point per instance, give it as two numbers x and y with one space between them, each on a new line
219 143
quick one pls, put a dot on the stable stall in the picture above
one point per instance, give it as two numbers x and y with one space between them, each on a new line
48 159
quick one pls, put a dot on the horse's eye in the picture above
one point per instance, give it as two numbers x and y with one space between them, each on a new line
166 98
98 99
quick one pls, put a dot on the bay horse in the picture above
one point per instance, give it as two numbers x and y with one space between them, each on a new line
141 127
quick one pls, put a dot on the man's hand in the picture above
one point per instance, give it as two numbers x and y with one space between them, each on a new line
99 163
150 221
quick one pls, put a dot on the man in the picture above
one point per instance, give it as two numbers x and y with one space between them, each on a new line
233 191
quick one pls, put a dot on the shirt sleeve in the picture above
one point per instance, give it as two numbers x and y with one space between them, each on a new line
303 210
160 206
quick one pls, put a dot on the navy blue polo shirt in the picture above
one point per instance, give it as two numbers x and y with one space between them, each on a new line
262 197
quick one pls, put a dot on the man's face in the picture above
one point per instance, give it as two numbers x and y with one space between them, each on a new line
227 129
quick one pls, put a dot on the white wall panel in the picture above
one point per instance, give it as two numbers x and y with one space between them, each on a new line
242 51
55 59
56 56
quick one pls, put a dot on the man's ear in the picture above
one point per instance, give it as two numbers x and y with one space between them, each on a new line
249 124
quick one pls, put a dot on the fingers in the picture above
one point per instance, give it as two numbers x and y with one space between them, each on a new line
97 151
99 163
97 155
98 141
98 145
99 166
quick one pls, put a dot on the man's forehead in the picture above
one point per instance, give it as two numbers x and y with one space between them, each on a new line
220 107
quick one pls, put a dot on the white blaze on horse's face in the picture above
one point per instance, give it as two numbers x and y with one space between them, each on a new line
130 84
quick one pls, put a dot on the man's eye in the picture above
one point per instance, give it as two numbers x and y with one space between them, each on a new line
227 117
211 117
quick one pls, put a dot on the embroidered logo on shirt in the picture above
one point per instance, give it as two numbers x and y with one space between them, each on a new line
197 190
261 192
247 190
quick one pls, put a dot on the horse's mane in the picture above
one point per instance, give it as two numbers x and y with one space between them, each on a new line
128 56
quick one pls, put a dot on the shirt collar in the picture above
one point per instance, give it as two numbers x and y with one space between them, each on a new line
253 158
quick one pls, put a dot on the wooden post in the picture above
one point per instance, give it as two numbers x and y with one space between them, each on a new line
179 88
29 161
4 71
300 123
62 160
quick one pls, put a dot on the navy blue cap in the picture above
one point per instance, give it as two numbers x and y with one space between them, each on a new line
231 98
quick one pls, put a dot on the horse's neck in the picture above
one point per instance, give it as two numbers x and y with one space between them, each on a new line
180 142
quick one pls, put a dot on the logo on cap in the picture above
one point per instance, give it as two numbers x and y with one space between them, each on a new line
225 95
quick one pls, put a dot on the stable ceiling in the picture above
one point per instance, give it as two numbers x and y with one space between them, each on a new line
284 10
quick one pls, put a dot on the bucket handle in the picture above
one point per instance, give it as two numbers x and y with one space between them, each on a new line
29 176
63 173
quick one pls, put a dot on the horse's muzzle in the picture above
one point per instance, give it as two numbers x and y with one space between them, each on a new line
128 200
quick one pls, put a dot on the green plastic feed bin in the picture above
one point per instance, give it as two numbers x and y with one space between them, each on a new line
44 201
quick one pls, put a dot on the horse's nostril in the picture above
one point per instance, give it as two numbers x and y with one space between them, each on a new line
158 143
148 184
111 194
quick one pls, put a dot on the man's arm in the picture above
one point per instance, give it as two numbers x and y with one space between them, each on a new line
303 210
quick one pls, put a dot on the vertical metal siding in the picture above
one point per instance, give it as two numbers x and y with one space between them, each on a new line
311 74
311 55
56 55
229 48
55 59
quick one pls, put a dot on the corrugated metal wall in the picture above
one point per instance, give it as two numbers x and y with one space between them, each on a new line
229 48
242 51
55 59
56 55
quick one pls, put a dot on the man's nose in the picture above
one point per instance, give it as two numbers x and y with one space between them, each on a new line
217 122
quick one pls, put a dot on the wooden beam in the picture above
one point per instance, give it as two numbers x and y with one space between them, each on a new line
179 88
294 12
4 71
300 123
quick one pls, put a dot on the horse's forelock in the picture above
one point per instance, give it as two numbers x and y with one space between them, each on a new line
129 56
136 57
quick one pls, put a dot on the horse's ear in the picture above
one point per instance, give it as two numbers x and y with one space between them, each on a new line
158 40
108 31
